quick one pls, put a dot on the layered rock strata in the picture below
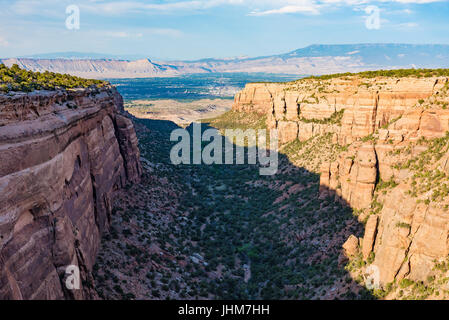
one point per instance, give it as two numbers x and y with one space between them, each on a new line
63 155
381 124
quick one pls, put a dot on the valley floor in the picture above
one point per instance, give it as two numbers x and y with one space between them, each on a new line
225 232
181 112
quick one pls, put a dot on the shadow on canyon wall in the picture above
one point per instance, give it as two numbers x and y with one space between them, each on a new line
255 237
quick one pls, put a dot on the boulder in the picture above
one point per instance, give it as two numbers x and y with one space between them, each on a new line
351 246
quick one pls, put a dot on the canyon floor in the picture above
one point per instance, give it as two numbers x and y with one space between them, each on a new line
224 231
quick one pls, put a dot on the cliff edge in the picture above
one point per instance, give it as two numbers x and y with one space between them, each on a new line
63 155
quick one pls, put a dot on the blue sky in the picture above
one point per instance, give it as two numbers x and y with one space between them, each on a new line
193 29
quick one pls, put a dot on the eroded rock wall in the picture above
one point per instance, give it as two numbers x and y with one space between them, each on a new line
367 104
380 125
351 109
62 156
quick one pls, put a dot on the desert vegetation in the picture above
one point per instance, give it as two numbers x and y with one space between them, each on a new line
335 118
224 231
238 120
418 73
17 79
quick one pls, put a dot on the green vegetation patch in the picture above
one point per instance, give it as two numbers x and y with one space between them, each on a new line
238 120
250 236
426 179
335 118
17 79
401 73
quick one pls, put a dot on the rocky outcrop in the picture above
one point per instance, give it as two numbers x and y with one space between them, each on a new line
256 98
354 177
370 234
351 109
351 246
411 237
365 105
63 155
288 131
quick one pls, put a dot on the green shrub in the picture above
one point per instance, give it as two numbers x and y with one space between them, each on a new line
335 118
404 283
16 79
419 73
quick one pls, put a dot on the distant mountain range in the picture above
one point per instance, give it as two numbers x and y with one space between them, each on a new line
311 60
73 55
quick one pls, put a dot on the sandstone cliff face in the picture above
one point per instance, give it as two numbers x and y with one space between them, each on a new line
63 154
383 125
351 109
368 104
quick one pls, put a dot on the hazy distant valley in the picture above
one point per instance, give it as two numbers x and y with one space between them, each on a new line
188 98
179 112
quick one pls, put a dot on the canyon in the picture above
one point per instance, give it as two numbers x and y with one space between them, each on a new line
362 185
64 154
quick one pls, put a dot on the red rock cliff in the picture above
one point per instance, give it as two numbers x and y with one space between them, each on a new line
393 168
351 109
63 154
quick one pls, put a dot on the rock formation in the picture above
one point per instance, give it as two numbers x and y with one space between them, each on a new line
63 154
393 166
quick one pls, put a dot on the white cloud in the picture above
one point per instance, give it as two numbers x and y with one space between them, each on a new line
356 2
407 25
51 8
418 1
287 9
123 34
254 7
257 7
120 7
167 32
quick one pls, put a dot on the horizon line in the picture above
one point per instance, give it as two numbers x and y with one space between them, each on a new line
241 57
